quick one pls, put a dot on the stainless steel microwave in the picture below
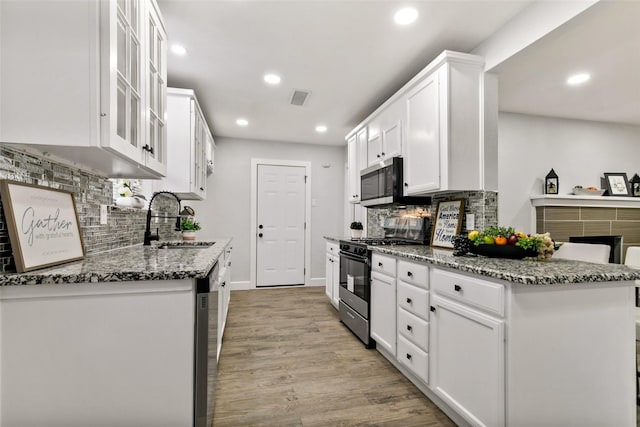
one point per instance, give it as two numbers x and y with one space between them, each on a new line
382 185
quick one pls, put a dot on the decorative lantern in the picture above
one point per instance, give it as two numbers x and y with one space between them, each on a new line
551 183
635 185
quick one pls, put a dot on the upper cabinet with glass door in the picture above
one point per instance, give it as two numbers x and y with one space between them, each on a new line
76 81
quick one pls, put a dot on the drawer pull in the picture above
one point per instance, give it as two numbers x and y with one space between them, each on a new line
408 356
410 274
409 301
457 288
409 328
433 309
350 315
379 264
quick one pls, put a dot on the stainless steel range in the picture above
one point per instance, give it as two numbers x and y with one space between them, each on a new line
355 271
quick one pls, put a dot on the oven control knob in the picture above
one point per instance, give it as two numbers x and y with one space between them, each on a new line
362 251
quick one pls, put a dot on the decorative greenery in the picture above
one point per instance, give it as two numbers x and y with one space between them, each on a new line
129 188
541 243
356 225
189 224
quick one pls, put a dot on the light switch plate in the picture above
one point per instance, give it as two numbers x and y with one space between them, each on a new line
470 222
103 214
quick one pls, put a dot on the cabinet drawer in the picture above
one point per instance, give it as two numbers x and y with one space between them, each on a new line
333 248
416 274
413 358
383 264
413 299
479 293
414 329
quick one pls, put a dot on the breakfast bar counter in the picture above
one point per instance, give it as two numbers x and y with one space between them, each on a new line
526 271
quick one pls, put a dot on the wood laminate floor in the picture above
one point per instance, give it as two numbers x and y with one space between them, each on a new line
287 361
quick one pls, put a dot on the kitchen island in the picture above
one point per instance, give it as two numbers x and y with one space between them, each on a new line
498 342
108 340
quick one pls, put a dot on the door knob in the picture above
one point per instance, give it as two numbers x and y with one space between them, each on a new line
259 234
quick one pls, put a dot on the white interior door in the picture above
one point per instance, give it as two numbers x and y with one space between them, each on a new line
280 230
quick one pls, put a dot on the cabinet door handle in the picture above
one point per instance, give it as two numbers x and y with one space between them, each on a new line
409 328
457 288
406 184
408 356
382 153
201 189
147 147
410 274
433 309
379 264
378 155
259 234
409 301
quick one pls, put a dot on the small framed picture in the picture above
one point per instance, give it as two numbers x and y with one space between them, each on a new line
617 184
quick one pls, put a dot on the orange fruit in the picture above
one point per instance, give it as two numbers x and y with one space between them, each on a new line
501 240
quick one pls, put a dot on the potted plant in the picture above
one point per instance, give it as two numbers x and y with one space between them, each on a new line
189 226
356 229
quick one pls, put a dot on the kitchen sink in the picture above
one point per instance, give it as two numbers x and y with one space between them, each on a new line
185 245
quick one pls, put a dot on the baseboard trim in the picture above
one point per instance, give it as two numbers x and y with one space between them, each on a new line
317 281
241 286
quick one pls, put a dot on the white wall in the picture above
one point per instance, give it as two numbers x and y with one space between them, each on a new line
579 151
225 212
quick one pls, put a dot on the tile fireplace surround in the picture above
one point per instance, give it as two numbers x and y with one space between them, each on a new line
610 218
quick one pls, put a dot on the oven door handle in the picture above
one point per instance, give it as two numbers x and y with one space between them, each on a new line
354 258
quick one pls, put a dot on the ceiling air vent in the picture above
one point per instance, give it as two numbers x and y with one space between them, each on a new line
299 97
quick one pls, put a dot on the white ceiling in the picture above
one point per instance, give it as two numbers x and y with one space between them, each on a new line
348 53
604 41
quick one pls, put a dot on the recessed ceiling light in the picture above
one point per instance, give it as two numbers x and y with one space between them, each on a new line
577 79
178 49
272 79
242 122
321 128
405 16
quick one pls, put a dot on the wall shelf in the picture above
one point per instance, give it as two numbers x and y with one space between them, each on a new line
585 201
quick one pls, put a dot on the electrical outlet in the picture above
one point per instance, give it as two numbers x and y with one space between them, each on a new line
471 222
103 214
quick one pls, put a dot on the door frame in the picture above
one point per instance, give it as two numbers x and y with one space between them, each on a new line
253 258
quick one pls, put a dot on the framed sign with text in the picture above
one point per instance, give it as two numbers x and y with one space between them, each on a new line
447 223
42 223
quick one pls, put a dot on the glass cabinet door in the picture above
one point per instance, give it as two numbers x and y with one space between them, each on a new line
129 58
155 146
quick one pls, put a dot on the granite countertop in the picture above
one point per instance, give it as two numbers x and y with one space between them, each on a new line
132 263
527 272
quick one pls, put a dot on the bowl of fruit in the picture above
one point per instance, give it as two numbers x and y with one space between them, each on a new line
505 242
588 191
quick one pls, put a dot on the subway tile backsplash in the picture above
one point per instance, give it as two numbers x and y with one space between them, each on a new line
125 226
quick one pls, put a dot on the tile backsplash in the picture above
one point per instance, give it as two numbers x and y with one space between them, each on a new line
125 226
483 204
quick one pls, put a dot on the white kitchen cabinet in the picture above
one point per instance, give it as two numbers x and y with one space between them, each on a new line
224 296
95 72
467 361
386 134
357 160
444 129
383 301
352 170
332 273
188 137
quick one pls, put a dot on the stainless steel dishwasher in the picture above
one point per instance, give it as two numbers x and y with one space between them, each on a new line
206 341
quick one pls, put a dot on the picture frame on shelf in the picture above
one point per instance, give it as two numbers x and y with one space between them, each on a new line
43 225
447 223
617 184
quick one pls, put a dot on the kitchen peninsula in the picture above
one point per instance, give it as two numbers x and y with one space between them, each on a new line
499 342
109 339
